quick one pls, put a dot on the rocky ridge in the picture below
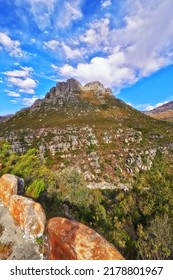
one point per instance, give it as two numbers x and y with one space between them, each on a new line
69 91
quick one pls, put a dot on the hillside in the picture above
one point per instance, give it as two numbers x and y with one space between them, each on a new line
87 127
86 155
163 112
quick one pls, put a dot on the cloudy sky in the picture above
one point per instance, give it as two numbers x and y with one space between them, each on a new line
125 44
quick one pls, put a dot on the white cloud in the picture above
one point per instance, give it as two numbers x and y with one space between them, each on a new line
12 93
111 70
27 85
71 53
22 79
149 107
70 12
97 34
11 46
139 46
148 31
20 73
54 67
52 44
28 101
42 11
33 40
106 3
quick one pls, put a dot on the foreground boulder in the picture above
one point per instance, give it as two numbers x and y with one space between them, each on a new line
71 240
9 185
29 215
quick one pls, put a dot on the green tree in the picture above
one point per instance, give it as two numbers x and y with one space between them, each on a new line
156 241
72 187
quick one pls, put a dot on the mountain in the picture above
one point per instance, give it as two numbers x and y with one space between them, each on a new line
86 155
88 128
163 112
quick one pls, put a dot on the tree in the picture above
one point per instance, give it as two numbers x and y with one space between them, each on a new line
156 241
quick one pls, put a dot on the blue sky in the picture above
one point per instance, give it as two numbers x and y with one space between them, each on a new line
125 44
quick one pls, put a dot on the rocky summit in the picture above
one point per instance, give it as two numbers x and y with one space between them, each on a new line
65 92
88 157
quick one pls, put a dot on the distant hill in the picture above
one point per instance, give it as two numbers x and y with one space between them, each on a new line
6 117
163 112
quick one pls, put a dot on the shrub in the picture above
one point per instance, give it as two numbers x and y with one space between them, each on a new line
35 188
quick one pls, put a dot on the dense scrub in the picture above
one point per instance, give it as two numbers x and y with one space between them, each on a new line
139 222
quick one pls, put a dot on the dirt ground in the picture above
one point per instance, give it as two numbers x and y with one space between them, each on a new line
21 248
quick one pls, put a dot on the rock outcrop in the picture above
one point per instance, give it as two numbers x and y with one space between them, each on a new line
65 91
71 240
11 237
29 215
98 88
10 185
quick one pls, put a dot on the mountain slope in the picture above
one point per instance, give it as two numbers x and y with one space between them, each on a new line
88 128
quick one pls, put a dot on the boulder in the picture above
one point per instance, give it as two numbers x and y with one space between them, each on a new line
70 240
29 215
9 185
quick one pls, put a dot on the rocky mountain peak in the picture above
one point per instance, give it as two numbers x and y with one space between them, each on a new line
63 88
98 88
94 85
72 87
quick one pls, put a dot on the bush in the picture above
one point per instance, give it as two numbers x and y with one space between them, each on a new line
72 187
35 188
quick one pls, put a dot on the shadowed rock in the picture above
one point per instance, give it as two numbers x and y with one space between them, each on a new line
29 215
71 240
62 88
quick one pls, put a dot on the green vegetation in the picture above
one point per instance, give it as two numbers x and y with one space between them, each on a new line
139 222
35 188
